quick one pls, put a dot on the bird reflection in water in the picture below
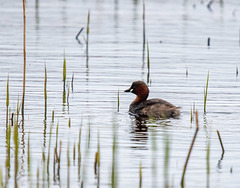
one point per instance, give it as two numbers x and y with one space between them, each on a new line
139 132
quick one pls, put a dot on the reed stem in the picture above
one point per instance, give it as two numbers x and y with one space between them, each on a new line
7 102
190 150
24 58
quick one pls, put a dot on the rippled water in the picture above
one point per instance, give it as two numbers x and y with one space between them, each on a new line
177 33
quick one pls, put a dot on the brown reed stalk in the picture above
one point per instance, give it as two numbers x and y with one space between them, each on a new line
220 140
190 150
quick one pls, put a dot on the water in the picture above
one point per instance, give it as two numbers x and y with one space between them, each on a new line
177 33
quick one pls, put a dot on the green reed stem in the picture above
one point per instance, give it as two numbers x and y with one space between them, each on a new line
29 158
166 161
49 147
45 93
44 168
24 58
68 167
37 177
8 146
190 150
118 99
208 162
114 147
15 138
64 72
205 94
7 102
1 177
140 175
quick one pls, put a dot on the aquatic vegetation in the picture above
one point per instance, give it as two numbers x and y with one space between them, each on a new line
24 58
7 102
205 94
190 150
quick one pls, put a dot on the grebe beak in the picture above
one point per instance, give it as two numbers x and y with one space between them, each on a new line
128 90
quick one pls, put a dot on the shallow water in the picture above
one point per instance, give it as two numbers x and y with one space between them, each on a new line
177 33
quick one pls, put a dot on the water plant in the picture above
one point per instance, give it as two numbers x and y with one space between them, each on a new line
29 159
7 102
114 150
79 152
118 101
68 166
45 93
64 72
208 162
144 34
190 149
140 175
87 41
24 58
166 160
220 140
148 64
15 138
205 94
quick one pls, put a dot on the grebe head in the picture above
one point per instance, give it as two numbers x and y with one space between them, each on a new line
140 89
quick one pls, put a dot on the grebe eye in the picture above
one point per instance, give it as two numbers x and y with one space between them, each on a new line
131 90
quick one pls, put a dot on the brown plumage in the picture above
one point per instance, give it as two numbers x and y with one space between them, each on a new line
155 108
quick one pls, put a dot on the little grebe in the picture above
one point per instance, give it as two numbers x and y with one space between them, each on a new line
156 108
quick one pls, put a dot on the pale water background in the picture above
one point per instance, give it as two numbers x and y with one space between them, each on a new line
177 32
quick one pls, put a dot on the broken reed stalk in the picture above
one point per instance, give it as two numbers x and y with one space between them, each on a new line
69 123
205 94
144 34
148 63
52 116
24 58
45 93
219 137
190 150
7 102
87 41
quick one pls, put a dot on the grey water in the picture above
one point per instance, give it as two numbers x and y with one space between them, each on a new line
180 60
